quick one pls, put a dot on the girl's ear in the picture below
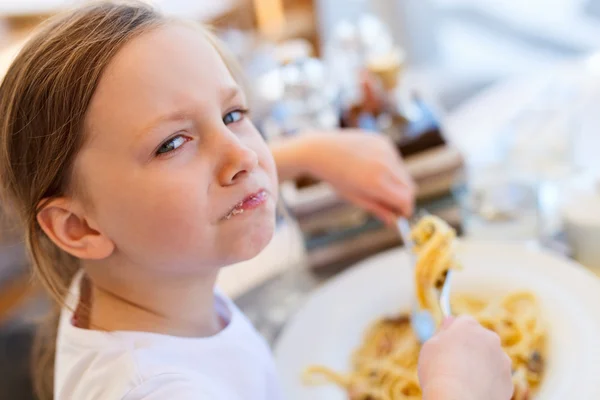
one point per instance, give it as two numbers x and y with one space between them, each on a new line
67 226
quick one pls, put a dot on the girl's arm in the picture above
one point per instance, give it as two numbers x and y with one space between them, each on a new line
364 168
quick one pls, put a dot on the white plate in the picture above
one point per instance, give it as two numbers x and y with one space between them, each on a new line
332 322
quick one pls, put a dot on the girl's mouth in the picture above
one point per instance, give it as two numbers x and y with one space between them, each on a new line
251 202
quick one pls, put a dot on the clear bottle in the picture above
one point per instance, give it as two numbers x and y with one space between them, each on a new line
408 120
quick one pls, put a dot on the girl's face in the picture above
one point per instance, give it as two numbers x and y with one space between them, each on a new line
173 172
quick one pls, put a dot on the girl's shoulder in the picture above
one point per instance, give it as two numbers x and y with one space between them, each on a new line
140 363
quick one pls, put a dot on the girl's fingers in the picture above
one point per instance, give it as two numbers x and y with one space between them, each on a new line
382 212
446 323
397 198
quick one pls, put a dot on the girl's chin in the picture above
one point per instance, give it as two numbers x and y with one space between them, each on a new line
251 242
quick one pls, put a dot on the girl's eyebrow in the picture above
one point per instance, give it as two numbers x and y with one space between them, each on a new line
228 93
169 117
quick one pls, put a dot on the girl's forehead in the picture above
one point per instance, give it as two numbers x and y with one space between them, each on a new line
169 49
163 69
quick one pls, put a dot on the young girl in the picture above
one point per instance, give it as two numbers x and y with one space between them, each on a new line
128 156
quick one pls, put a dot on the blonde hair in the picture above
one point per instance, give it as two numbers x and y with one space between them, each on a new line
44 98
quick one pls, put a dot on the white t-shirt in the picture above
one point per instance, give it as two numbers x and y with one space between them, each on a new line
93 365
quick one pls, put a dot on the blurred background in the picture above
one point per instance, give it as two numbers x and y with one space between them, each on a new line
493 103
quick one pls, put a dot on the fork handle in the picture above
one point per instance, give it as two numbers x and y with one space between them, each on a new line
445 296
405 232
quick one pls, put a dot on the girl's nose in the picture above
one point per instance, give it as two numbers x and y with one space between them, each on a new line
237 161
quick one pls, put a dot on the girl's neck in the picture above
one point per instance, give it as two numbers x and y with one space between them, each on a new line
178 306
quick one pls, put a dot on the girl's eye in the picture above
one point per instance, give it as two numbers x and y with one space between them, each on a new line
171 145
234 116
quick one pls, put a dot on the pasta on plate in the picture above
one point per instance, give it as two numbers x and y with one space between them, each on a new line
384 366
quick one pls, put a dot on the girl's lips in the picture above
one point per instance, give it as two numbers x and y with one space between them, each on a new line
251 202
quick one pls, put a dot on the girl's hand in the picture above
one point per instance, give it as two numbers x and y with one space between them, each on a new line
364 168
465 361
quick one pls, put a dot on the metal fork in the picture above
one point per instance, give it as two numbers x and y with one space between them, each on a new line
422 321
